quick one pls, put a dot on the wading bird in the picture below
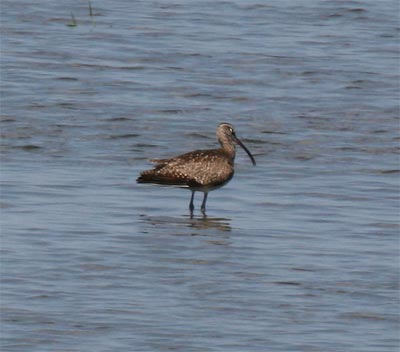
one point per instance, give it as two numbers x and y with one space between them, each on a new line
199 170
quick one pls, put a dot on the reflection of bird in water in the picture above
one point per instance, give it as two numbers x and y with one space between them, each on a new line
200 170
219 224
205 223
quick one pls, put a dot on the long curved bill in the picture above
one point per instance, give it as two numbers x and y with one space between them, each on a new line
237 140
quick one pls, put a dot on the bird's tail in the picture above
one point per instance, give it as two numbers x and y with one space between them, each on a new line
150 176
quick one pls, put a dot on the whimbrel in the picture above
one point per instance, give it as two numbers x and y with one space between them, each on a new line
199 170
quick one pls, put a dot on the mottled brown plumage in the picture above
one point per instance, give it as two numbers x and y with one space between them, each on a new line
200 170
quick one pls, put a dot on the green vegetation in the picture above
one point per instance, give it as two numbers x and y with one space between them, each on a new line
90 9
73 22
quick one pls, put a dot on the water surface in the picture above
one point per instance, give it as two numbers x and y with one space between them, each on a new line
299 253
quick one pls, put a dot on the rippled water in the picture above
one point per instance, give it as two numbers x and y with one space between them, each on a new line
299 253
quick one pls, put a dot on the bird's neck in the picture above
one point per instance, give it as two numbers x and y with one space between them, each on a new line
229 149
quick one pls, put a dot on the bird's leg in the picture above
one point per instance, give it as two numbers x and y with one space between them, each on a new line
203 205
191 206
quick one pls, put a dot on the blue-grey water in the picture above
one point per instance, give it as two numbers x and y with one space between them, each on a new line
299 253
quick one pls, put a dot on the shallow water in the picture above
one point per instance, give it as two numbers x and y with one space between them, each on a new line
299 253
